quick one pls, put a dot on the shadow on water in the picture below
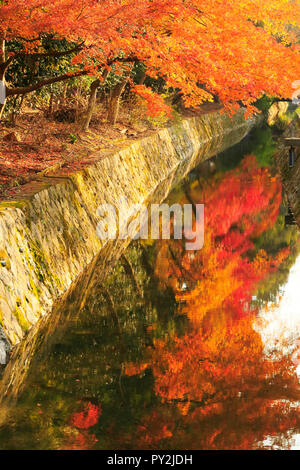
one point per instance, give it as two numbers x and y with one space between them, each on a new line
159 347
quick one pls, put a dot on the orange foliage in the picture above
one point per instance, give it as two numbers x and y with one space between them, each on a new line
236 50
220 380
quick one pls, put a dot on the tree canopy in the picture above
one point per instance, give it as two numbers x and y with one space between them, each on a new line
235 51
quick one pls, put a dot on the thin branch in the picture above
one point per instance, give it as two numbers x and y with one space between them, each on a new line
49 81
40 84
51 53
21 38
39 55
4 66
123 60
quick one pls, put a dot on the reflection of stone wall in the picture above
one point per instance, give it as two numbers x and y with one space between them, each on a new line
4 347
48 236
81 308
290 176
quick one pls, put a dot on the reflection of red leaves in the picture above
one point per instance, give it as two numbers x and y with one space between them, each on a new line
221 357
239 206
80 441
152 431
83 420
87 418
135 369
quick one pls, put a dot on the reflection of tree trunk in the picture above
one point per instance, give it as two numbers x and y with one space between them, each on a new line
114 102
187 195
183 271
130 271
145 261
111 304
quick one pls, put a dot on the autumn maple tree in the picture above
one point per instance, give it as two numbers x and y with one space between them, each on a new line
233 51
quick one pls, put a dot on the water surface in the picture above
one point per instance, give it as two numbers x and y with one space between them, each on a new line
176 349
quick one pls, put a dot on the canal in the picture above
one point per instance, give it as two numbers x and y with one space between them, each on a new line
175 349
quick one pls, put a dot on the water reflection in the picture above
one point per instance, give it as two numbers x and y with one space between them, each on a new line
175 349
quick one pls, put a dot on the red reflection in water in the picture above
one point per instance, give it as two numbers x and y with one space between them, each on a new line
87 418
217 374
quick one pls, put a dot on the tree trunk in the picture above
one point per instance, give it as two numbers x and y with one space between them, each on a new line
14 112
142 79
77 102
91 106
114 102
18 110
50 107
64 100
92 99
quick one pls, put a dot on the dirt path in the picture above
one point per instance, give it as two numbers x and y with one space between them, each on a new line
37 145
